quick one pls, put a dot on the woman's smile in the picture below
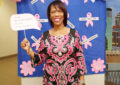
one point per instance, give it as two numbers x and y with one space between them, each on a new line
57 19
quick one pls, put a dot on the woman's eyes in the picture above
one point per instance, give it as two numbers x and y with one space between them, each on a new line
53 12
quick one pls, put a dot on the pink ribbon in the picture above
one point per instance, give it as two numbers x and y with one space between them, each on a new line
37 16
84 38
65 1
68 15
85 1
36 44
89 15
43 1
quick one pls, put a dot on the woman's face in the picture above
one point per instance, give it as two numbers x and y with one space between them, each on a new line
56 16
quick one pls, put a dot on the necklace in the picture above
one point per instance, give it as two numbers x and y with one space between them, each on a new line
59 32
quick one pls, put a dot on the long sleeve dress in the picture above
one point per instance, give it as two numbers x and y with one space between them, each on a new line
63 57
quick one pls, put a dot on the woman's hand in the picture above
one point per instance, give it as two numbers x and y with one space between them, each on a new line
82 80
25 44
81 84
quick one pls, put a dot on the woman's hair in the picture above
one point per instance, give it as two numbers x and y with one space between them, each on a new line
61 6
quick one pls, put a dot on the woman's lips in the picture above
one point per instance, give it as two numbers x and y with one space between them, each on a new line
57 19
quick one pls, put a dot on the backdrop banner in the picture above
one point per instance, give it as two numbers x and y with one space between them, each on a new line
88 17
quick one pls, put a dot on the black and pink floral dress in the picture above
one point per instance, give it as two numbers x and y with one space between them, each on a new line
64 58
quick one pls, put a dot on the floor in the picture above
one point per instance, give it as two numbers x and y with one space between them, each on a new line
8 71
109 83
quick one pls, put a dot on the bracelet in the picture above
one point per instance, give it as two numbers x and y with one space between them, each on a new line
82 81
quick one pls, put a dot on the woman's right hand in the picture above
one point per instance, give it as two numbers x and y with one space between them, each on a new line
25 44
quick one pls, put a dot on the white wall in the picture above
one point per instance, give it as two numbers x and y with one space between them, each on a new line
96 79
8 38
32 81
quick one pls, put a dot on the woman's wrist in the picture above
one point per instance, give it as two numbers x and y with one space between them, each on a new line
82 82
30 53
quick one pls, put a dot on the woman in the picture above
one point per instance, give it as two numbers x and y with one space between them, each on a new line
61 48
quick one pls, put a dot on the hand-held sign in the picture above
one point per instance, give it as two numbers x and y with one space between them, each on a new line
23 22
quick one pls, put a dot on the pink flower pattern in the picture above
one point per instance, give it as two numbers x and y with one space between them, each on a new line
98 65
26 68
64 58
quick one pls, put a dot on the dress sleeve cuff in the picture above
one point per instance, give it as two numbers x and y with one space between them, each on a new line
35 60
